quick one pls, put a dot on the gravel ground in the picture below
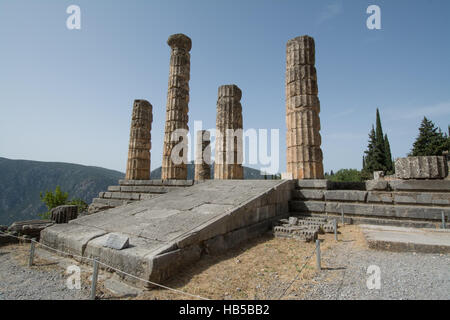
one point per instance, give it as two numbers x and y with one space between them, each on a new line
264 268
19 282
403 275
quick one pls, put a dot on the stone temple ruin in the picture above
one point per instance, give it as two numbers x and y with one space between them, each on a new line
170 223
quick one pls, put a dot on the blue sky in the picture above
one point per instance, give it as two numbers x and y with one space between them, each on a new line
66 95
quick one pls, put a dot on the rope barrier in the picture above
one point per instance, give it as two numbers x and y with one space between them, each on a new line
106 265
298 274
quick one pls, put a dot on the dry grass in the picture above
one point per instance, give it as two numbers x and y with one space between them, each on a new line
263 268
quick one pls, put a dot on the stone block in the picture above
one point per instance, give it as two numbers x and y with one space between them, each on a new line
63 214
117 241
431 167
30 228
305 194
377 175
383 197
344 195
376 185
307 206
392 211
420 185
313 184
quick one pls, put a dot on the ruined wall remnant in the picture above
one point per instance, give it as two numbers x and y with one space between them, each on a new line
304 155
138 164
176 128
228 153
431 167
202 156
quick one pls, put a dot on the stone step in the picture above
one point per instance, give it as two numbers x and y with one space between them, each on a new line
110 202
141 189
177 183
379 197
127 196
371 210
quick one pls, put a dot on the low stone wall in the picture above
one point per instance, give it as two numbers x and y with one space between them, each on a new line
414 202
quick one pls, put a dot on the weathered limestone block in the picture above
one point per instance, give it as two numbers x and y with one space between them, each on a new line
306 194
381 197
313 184
307 206
229 147
176 128
29 228
202 156
117 241
377 175
303 140
345 195
63 214
432 167
376 185
138 164
420 185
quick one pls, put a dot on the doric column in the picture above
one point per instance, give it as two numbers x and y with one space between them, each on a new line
202 156
138 164
304 155
176 128
228 153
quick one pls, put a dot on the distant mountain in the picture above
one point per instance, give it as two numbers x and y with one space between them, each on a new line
21 181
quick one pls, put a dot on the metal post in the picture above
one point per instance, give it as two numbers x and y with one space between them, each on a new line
31 260
318 255
443 220
335 229
342 215
94 280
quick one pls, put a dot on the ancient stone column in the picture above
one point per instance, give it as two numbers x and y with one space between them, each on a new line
138 164
228 154
304 155
176 128
202 156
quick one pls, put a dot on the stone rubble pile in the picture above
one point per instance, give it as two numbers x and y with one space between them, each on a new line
303 228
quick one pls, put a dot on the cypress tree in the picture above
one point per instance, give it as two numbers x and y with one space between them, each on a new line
387 151
368 159
379 154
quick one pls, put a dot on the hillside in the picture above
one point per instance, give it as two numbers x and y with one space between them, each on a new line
21 181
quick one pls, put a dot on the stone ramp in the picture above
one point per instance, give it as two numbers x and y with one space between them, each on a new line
407 239
174 229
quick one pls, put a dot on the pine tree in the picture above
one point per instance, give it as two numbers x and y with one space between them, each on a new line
431 141
387 150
